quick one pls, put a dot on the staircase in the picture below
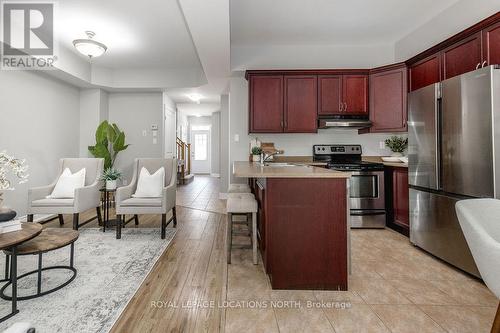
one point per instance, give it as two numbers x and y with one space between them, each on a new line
184 175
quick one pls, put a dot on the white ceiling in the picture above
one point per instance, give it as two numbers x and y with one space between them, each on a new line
203 109
149 34
339 22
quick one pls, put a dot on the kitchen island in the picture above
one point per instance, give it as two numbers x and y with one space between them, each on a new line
302 218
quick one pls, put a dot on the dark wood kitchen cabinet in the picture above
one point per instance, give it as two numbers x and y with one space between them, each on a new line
462 57
355 94
301 104
388 91
283 103
425 72
343 95
266 104
491 44
397 199
329 94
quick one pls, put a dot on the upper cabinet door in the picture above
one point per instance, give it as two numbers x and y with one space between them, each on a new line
388 93
355 94
330 94
301 104
266 104
491 45
462 57
425 72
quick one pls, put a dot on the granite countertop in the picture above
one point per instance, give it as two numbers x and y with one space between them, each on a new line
297 170
378 159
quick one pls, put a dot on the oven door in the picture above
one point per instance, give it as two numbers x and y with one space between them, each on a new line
367 190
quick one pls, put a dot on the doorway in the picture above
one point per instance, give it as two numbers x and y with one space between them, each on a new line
200 153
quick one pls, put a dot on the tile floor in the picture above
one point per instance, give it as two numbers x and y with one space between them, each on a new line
394 287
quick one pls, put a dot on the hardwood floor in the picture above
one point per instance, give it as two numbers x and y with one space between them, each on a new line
394 286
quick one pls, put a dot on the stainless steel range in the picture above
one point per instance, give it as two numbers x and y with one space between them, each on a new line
366 184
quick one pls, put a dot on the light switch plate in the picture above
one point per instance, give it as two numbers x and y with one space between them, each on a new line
381 144
154 127
144 133
236 138
155 141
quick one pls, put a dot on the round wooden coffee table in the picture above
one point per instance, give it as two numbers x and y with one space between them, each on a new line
50 239
10 241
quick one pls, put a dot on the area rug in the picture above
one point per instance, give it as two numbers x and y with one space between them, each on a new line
110 271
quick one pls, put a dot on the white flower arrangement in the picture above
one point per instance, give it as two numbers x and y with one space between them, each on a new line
16 166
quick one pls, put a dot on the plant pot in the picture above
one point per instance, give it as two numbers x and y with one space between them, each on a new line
110 184
6 214
256 158
396 154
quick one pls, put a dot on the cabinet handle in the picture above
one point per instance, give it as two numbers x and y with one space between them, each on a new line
484 63
340 106
477 66
345 109
281 124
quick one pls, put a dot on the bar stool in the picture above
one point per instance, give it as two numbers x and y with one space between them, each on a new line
239 188
242 204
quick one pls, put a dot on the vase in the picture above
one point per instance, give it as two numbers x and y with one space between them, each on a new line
110 184
6 214
396 154
256 158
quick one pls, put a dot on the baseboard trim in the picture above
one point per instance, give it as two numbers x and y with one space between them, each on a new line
216 175
222 196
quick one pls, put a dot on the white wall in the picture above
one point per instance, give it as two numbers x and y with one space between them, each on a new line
39 121
224 144
292 144
245 57
454 19
135 113
93 110
215 133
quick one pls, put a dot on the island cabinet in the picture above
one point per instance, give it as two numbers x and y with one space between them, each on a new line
388 91
302 222
343 95
397 198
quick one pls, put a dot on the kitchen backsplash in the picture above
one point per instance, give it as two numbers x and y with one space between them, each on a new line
301 144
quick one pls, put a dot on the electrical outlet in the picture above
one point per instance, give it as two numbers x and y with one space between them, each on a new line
154 127
124 182
381 144
144 132
155 141
236 138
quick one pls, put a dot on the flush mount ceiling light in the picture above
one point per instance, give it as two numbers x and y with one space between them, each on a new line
195 97
89 47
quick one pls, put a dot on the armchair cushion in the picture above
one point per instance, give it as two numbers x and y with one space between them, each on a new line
142 202
53 203
67 183
150 185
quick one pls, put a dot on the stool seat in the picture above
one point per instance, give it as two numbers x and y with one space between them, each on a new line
241 205
239 188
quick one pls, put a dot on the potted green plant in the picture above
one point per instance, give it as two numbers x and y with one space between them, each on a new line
397 144
110 140
111 176
256 152
16 167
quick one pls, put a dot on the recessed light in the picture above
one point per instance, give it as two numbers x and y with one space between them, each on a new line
89 47
195 97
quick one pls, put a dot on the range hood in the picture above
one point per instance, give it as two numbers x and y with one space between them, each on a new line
344 122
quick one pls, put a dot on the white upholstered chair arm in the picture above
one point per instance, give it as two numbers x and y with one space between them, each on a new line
123 193
87 197
37 193
168 200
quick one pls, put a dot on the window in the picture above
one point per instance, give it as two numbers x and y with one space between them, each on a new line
200 147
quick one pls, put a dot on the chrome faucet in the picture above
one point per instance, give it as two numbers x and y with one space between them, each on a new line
266 156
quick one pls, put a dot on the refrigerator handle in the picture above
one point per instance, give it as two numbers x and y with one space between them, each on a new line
438 122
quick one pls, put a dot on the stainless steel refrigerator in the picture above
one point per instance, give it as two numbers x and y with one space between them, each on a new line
454 154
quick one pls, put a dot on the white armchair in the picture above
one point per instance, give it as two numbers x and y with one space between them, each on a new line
85 198
126 204
480 222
